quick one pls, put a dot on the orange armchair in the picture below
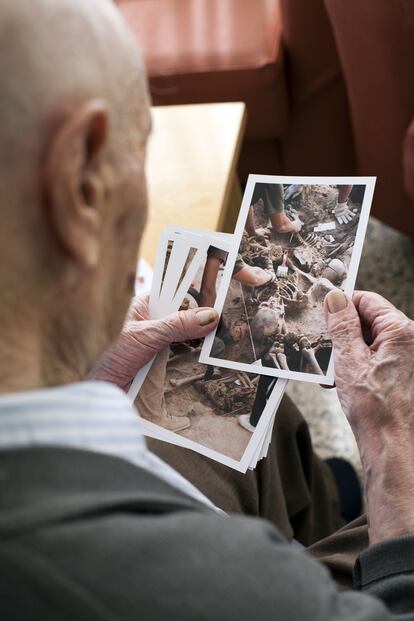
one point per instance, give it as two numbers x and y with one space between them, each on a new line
328 84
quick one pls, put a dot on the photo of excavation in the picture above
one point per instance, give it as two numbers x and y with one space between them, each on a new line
216 408
297 245
210 406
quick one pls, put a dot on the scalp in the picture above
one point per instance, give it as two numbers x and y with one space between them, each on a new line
54 55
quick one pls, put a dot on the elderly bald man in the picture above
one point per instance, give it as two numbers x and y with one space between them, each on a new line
93 525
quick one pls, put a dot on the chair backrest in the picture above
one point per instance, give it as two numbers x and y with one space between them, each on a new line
318 140
375 41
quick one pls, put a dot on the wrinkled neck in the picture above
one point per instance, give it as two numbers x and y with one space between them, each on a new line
20 367
28 362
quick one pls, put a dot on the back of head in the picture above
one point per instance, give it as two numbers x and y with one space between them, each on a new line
73 125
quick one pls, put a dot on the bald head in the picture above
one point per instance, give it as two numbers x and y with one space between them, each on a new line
74 119
54 55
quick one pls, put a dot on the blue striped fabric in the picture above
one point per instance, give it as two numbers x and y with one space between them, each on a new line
95 416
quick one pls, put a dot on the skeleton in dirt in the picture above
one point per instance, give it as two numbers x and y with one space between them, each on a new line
313 268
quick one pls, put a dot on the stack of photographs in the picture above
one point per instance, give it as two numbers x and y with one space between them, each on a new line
295 240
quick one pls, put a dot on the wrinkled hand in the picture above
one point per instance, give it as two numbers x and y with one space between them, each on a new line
142 338
343 214
375 381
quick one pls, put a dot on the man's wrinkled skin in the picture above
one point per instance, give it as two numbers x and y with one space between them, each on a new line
374 375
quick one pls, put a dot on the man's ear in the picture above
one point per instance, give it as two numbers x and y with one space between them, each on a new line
73 184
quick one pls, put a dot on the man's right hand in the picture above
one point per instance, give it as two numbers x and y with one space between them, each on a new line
374 374
142 338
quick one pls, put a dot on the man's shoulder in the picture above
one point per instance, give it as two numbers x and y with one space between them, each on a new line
120 545
183 564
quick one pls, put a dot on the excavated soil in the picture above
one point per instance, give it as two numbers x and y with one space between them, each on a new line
211 425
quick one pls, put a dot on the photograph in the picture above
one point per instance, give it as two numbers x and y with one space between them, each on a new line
216 410
299 240
177 261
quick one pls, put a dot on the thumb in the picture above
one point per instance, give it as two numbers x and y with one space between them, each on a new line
186 325
345 329
140 341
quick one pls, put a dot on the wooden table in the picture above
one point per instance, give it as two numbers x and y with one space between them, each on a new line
191 169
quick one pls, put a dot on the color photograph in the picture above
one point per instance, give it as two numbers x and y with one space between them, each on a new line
299 241
217 409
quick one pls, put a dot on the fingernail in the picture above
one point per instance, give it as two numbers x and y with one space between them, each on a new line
206 316
336 301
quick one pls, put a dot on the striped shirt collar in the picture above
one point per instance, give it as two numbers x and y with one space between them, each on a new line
95 416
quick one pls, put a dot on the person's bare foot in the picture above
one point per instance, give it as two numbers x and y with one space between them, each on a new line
253 276
282 224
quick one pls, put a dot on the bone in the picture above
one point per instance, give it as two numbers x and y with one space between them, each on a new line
340 248
309 238
186 380
257 246
240 410
283 361
267 323
308 355
249 381
275 361
191 350
311 279
303 257
241 379
227 380
320 289
244 380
